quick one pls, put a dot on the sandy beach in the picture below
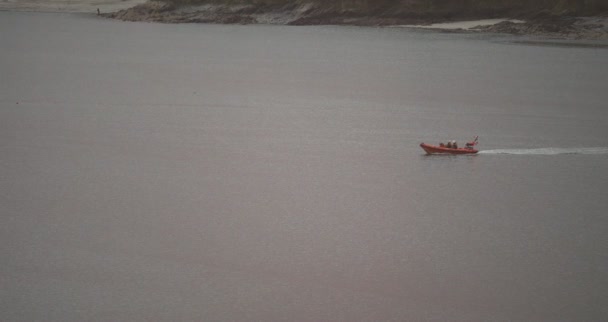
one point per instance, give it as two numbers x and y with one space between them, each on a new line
465 25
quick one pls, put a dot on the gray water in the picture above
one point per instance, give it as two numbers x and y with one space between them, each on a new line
272 173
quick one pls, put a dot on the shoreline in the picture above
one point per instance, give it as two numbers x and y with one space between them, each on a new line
308 13
464 24
67 6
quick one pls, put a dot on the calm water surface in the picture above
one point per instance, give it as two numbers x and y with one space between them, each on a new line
272 173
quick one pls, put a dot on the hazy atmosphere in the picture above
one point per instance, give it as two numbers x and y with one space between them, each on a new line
271 169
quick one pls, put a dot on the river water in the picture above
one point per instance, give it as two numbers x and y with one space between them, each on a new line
272 173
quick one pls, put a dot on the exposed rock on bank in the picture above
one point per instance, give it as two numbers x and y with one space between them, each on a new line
298 12
295 13
157 11
593 28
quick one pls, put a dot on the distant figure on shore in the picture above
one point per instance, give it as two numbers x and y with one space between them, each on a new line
98 13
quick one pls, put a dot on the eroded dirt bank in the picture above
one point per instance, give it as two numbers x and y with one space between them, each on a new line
564 19
544 23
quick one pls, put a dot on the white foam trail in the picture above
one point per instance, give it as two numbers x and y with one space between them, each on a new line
548 151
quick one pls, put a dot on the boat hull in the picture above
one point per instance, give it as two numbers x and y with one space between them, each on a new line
433 149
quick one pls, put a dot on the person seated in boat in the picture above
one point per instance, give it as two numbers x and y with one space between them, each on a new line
449 145
454 145
471 144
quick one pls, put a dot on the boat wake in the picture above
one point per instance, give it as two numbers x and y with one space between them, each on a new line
548 151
